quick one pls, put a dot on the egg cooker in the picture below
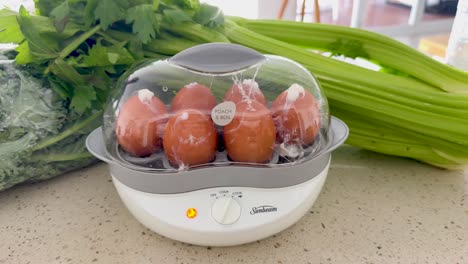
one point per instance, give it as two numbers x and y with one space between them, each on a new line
224 202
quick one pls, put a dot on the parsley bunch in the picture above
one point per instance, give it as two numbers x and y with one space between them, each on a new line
82 46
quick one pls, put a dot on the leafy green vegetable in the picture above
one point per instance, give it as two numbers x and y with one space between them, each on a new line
33 119
349 48
82 37
9 28
209 16
24 54
110 11
60 15
44 8
102 56
82 98
175 16
40 47
145 23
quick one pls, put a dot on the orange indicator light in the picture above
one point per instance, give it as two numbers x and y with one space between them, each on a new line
191 213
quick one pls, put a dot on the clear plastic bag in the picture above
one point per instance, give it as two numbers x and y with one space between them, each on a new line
39 137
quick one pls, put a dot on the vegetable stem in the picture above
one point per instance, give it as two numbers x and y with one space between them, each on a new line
169 45
382 49
195 32
55 157
78 41
74 44
68 132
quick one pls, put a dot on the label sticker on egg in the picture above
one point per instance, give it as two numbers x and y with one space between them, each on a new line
223 113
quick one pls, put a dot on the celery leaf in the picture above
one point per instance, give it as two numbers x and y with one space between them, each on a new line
24 55
44 8
348 48
101 56
40 47
186 5
110 11
208 15
60 15
88 13
144 20
175 16
82 98
10 31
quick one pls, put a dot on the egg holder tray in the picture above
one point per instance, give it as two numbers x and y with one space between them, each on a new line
160 160
229 174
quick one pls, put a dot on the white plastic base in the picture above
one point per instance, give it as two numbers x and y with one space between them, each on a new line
264 212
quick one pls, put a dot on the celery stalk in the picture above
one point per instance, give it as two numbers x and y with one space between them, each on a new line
374 135
169 45
195 32
326 68
382 49
390 114
431 125
364 123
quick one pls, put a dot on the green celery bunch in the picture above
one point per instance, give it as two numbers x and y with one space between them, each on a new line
411 114
359 43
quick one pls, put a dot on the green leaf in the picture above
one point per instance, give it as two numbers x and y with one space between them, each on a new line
348 48
184 4
175 16
102 56
88 15
135 48
67 73
99 78
110 70
10 31
59 87
44 8
155 5
61 15
39 47
82 98
80 12
110 11
45 27
79 40
145 22
24 55
210 16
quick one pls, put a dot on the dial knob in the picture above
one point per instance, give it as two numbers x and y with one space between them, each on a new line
226 210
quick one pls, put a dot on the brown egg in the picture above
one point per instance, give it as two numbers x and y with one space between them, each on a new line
140 124
248 89
297 115
190 138
194 96
250 137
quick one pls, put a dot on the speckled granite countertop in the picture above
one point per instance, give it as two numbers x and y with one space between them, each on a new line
373 209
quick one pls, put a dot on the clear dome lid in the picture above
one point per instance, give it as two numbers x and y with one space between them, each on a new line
216 105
